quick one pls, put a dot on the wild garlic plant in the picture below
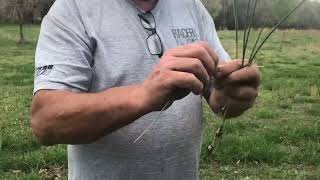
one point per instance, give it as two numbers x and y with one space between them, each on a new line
256 49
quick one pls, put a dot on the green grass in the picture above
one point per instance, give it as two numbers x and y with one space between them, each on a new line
278 139
21 157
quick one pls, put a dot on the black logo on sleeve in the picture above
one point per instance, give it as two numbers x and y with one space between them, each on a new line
184 36
44 70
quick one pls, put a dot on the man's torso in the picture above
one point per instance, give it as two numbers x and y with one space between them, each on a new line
170 149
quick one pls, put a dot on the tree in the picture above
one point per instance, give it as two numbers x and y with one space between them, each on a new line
44 7
213 6
21 10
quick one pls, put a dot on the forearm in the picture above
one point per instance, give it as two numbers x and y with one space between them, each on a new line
70 118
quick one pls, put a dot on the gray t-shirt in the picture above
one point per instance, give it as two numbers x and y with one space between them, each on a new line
90 46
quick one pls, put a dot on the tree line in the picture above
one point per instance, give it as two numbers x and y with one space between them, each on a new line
268 11
32 11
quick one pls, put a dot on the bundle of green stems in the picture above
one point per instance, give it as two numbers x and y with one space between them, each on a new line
256 49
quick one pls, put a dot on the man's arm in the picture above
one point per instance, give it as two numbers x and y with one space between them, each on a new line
63 117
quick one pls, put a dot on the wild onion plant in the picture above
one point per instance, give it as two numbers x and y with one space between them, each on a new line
256 49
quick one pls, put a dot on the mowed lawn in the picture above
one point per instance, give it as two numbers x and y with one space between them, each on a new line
278 139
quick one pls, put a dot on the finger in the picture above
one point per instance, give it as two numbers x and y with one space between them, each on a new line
218 96
247 75
236 108
194 51
241 92
213 55
222 62
200 52
204 46
190 65
226 69
183 80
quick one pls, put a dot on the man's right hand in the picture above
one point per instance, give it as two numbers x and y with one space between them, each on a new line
180 71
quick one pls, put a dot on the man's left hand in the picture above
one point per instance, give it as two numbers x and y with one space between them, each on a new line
235 88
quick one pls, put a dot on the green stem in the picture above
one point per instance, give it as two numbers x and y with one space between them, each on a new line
235 12
155 120
255 45
276 27
251 19
245 33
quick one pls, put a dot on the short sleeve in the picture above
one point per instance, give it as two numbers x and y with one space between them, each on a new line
209 33
63 57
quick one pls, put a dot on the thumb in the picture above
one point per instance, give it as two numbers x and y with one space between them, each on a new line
224 70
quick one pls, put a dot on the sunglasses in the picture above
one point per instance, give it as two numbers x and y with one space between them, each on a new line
154 42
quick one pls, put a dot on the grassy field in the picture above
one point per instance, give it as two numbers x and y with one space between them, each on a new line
278 139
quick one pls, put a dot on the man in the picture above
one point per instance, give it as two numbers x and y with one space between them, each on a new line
105 67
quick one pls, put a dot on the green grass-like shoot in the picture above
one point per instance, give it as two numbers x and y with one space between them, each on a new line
245 33
236 21
274 29
258 39
249 29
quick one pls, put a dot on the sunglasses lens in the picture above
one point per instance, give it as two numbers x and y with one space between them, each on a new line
154 44
148 21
